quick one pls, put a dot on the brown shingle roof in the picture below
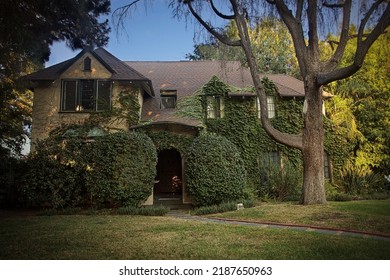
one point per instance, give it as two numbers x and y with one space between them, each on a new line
188 76
287 86
119 69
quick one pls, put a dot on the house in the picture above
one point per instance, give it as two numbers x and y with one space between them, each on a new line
69 92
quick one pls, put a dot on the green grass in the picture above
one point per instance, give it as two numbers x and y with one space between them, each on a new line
366 215
136 237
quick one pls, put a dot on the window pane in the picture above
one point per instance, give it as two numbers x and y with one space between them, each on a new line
271 159
69 93
87 99
104 96
210 107
168 102
221 107
271 107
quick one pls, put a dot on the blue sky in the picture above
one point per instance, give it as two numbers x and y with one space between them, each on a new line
151 34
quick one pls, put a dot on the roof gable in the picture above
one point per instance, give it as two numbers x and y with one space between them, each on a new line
118 69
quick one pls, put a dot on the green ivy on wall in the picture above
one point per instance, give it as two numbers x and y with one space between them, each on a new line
243 128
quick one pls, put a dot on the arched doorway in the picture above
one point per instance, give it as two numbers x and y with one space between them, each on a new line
168 188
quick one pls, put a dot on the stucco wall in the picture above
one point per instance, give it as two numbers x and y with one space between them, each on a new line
46 104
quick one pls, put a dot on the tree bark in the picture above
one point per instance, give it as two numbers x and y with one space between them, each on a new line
313 191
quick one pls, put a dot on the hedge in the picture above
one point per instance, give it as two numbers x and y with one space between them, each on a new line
113 170
215 171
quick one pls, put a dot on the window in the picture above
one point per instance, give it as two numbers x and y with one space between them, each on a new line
85 95
327 167
168 99
87 64
270 107
215 107
271 159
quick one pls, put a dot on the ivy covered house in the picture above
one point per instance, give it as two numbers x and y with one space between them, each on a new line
173 103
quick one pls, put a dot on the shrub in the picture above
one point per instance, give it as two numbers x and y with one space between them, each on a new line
215 171
121 169
147 211
360 180
115 169
280 182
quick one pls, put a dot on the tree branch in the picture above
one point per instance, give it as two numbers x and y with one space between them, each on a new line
291 140
362 47
338 54
216 34
218 13
328 5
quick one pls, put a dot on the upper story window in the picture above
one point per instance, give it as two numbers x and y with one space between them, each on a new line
327 167
270 107
168 99
85 95
87 64
215 107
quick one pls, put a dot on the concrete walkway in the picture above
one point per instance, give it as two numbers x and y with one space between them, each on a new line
185 216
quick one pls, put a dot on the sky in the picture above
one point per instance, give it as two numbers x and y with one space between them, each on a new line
151 34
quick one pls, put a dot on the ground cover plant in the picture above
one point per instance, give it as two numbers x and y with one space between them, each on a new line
107 236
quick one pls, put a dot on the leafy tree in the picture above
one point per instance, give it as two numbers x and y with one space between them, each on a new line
272 47
369 93
27 30
304 20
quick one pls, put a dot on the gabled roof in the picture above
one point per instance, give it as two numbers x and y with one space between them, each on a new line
119 69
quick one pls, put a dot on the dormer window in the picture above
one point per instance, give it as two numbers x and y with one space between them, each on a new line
168 98
87 64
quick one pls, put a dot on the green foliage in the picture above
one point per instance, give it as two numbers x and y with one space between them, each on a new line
356 180
368 92
126 108
215 170
280 58
280 182
223 207
121 169
144 211
115 169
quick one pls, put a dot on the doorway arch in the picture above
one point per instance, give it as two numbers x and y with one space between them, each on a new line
168 188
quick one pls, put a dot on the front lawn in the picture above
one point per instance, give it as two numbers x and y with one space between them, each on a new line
365 215
149 238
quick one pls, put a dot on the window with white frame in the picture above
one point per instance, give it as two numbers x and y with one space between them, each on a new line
85 95
270 107
215 107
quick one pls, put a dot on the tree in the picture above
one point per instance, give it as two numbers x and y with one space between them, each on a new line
303 25
302 18
369 93
27 30
271 42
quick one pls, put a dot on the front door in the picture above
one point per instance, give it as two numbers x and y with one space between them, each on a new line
168 187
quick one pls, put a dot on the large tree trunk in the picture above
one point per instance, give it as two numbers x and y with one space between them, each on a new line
313 191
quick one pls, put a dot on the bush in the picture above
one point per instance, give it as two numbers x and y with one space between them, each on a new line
121 169
115 169
280 182
215 171
147 211
360 180
223 207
